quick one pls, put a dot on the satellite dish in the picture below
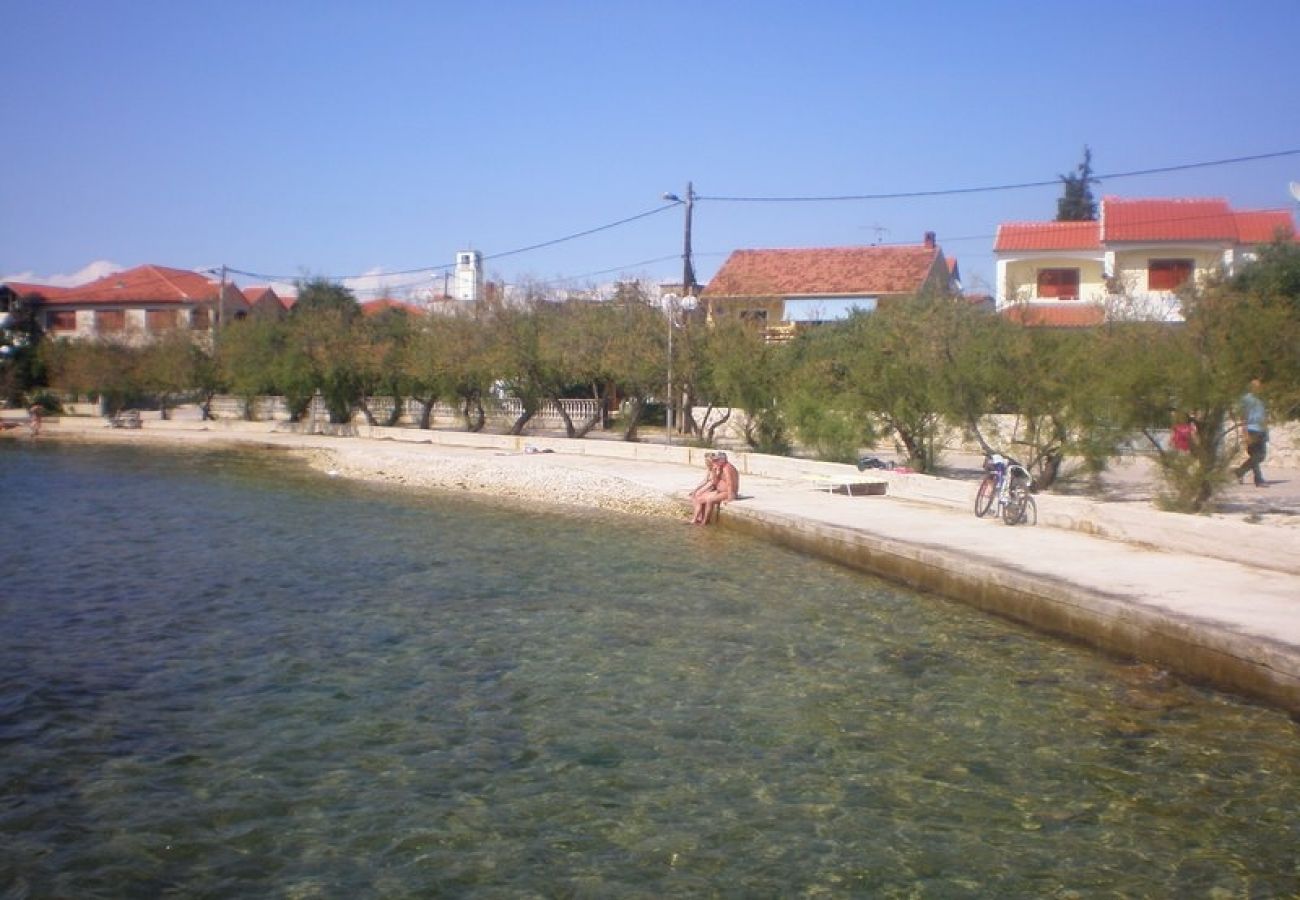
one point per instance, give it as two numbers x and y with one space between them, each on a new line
1295 190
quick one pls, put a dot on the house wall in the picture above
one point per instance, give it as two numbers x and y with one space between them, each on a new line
1018 277
1130 266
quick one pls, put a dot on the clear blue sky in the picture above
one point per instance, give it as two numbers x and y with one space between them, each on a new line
334 138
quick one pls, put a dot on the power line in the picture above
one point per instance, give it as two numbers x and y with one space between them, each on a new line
570 237
448 266
903 195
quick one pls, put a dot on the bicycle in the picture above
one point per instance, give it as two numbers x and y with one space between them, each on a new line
1007 484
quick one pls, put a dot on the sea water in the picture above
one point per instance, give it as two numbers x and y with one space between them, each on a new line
224 675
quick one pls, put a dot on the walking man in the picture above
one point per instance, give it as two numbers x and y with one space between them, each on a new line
1255 427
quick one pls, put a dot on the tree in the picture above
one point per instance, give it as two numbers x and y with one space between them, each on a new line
321 351
173 365
1076 203
320 294
1235 329
106 369
380 349
447 358
248 358
740 370
21 366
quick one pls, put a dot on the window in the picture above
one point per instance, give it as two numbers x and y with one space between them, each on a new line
1168 274
108 320
62 320
160 319
1059 284
757 316
200 320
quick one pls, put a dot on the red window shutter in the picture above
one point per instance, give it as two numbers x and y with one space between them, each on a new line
1168 274
1060 284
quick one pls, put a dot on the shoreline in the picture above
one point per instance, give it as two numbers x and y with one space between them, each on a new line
1215 600
529 478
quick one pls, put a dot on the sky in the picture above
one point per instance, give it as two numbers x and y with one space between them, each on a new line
289 139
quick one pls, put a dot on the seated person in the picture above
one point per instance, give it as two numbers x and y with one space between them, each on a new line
710 476
724 489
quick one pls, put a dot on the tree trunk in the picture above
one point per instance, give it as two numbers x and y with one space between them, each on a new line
426 412
636 406
475 416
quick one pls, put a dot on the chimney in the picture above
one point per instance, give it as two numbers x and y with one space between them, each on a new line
929 240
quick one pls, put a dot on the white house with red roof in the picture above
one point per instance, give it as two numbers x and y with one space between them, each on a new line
1131 262
134 304
785 289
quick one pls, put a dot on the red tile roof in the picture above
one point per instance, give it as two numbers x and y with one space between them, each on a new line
1262 226
1056 315
147 284
255 295
382 304
1181 220
833 270
23 288
1167 220
1048 236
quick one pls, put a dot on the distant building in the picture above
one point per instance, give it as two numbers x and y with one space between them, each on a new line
785 290
266 302
135 304
1130 263
468 280
388 304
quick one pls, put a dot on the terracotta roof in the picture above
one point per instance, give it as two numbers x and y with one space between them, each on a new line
255 295
1188 219
148 284
1056 315
1149 220
382 304
22 288
832 270
1048 236
1262 226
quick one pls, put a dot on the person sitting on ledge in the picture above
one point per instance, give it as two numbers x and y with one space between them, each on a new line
710 476
725 488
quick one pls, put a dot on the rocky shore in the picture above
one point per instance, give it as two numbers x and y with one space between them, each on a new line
529 477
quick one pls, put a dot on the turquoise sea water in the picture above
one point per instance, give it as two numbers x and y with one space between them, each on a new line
222 675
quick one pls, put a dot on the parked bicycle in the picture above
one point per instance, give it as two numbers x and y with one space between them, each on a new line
1008 485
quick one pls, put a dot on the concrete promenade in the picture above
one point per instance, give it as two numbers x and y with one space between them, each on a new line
1215 599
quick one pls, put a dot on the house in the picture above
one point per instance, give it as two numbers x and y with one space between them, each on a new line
788 289
1129 263
265 302
135 303
372 308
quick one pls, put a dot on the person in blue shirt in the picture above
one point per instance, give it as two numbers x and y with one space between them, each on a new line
1254 424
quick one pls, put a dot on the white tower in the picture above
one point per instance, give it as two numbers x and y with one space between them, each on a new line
469 276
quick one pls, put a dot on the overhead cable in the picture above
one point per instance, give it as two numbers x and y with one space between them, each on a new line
903 195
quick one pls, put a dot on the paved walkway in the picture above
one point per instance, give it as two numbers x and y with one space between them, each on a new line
1215 599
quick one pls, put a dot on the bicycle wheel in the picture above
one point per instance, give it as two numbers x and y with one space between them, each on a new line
1018 501
1031 512
984 496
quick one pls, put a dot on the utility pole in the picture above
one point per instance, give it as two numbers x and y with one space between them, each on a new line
688 268
688 291
221 304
